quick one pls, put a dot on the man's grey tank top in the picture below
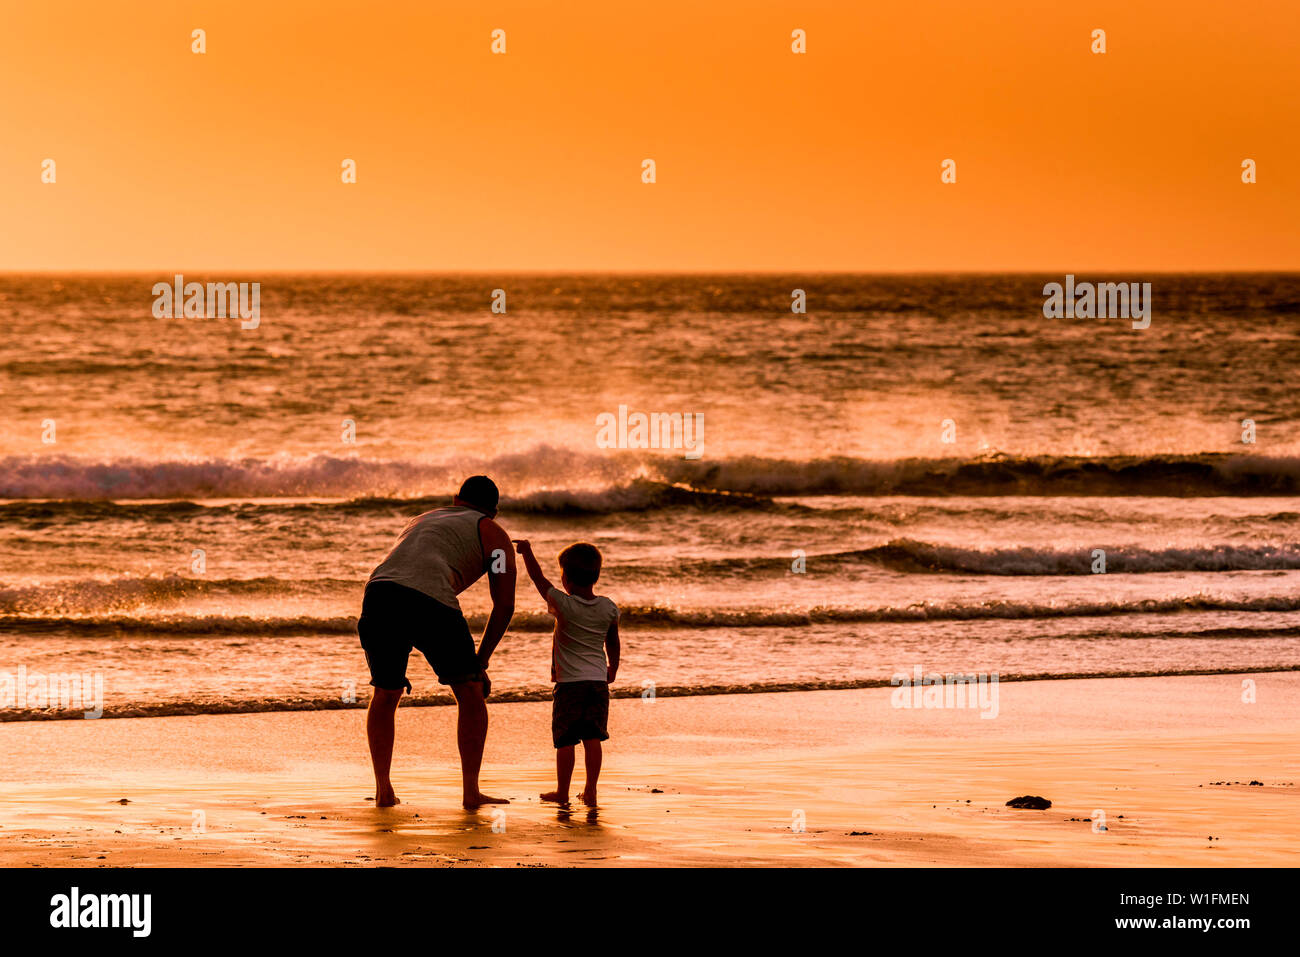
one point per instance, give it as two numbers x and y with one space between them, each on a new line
438 553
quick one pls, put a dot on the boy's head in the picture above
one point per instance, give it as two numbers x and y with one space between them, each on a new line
580 563
480 492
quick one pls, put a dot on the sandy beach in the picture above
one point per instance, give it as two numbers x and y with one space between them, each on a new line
795 779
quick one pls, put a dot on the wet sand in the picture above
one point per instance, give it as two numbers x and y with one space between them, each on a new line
794 779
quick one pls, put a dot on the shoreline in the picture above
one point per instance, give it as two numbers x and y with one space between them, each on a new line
291 706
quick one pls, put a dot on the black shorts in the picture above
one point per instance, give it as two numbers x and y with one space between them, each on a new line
395 619
580 712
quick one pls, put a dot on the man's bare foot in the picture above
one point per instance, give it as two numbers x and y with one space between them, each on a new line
556 796
478 800
385 797
588 797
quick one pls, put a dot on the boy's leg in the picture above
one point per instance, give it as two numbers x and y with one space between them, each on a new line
591 754
471 734
564 758
380 731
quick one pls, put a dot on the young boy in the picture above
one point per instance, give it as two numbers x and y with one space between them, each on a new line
585 626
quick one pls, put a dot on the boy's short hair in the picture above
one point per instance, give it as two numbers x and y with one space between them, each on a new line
581 562
481 492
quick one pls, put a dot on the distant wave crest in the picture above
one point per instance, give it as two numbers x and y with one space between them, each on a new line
913 556
548 479
650 617
1158 475
75 597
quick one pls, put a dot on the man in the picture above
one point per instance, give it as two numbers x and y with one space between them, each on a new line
410 602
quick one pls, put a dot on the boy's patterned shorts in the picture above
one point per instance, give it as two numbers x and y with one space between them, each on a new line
580 712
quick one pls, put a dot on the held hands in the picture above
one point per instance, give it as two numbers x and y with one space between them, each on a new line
523 546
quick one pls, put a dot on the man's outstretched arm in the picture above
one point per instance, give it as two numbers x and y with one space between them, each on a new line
498 553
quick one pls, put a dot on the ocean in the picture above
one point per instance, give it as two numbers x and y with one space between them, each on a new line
918 471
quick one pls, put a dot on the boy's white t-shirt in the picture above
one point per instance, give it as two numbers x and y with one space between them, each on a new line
581 625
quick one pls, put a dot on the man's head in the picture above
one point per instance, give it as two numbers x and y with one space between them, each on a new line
479 492
581 564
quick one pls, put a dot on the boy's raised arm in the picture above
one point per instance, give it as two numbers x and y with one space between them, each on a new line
543 584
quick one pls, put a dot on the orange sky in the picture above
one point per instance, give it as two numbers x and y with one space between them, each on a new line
1066 160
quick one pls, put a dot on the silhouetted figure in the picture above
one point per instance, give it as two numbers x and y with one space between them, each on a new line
410 602
586 625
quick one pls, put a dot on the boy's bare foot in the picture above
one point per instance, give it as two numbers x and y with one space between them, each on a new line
478 800
588 797
556 796
385 797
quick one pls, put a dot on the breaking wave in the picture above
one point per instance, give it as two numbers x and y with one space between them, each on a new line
545 478
650 616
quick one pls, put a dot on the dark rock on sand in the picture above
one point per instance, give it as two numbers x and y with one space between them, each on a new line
1030 801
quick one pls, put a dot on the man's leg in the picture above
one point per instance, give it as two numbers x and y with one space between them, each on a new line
591 755
563 775
380 730
471 733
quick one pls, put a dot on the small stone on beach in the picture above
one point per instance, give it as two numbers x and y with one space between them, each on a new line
1030 802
